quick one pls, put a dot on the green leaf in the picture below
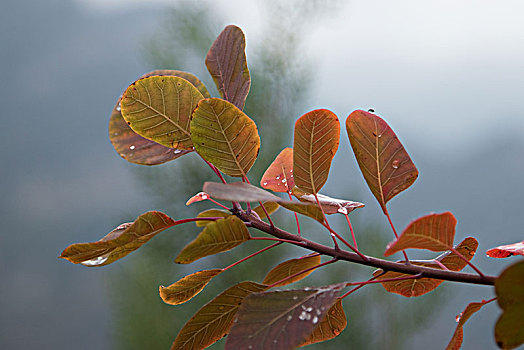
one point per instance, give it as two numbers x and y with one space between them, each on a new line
121 241
420 286
211 213
307 209
331 325
282 319
213 321
279 175
135 148
227 64
218 236
509 287
291 267
329 204
186 288
384 162
224 136
456 341
317 135
178 73
435 232
271 207
159 108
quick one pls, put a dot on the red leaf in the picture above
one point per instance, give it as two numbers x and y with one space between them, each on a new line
456 341
200 196
279 175
504 251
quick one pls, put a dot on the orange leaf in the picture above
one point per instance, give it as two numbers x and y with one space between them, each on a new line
279 175
330 327
434 232
187 287
289 268
317 135
504 251
385 164
200 196
456 341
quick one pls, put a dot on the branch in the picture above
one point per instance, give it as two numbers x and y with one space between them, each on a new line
385 265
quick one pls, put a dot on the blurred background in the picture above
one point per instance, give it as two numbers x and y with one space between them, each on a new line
448 77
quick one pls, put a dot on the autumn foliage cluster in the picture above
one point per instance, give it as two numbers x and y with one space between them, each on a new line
167 114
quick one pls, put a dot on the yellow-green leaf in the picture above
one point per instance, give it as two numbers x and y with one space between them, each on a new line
227 64
159 108
271 207
186 288
308 209
218 236
213 321
178 73
317 135
224 136
331 325
291 267
211 213
119 242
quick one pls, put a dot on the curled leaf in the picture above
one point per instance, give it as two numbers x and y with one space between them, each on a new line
420 286
317 135
224 136
329 205
331 325
434 232
186 288
213 320
384 162
218 236
504 251
119 242
289 268
200 196
227 64
279 175
159 108
456 340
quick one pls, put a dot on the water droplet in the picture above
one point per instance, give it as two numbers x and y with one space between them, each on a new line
115 134
118 108
284 181
459 316
289 318
265 183
278 177
309 309
395 164
318 312
250 347
177 151
295 297
315 320
275 341
96 261
291 175
302 316
204 196
132 147
343 210
303 307
379 135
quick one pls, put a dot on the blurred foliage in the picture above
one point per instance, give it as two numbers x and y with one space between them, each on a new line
281 83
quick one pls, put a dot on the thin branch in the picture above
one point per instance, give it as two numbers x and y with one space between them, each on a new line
333 235
302 272
395 232
296 216
467 261
351 229
361 285
252 255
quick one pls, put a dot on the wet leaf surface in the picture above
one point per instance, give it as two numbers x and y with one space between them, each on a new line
317 135
331 325
227 64
434 232
279 175
456 340
213 321
505 251
119 242
420 286
289 268
509 287
217 236
224 136
282 319
329 205
187 287
159 108
385 164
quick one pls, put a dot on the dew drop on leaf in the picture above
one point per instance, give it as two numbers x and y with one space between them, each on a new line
96 261
315 320
132 147
395 164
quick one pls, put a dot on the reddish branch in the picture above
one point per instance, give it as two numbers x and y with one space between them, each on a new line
339 254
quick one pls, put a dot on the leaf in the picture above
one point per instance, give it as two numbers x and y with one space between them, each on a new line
121 241
434 232
291 267
317 135
307 209
282 319
213 320
279 176
218 236
504 251
211 213
330 205
456 340
200 196
135 148
509 287
159 108
227 64
385 164
331 325
197 83
271 207
186 288
224 136
238 192
420 286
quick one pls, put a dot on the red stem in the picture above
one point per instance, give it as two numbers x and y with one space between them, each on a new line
466 260
385 280
278 240
327 224
302 272
252 255
395 232
346 243
361 285
296 216
214 201
351 229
